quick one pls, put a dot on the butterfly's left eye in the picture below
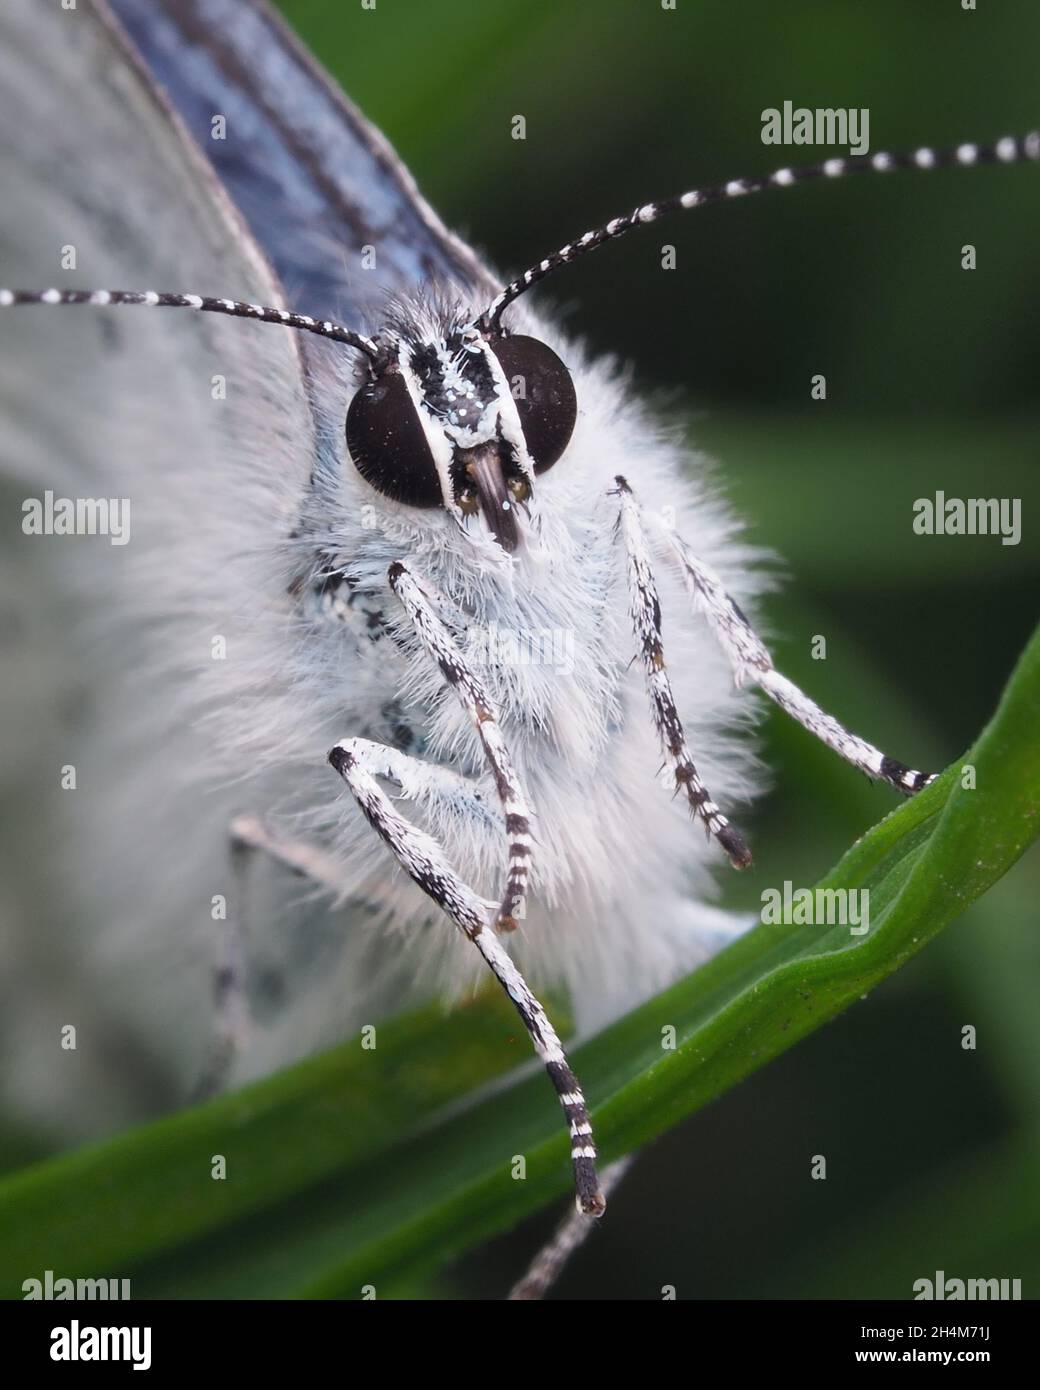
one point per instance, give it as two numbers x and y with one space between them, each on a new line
543 391
387 443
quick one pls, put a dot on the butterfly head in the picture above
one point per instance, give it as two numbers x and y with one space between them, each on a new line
452 416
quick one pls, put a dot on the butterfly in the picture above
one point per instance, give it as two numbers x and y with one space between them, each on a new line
394 521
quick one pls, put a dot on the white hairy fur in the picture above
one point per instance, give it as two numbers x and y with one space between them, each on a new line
110 924
619 868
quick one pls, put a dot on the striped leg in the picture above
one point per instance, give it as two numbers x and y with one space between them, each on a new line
438 642
751 661
646 618
422 857
447 796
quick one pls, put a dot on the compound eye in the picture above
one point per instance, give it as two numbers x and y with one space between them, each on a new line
545 400
386 441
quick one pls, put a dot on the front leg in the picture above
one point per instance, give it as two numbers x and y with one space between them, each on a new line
359 763
438 642
424 859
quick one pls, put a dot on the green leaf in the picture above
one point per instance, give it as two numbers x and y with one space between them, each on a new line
372 1167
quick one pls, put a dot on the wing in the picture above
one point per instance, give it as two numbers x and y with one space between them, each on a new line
316 182
115 778
109 649
110 190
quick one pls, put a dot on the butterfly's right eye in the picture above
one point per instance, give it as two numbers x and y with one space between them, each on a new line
386 441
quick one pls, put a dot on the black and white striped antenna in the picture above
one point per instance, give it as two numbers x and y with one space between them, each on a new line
325 328
1008 150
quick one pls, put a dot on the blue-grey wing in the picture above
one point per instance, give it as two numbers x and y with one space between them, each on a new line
316 182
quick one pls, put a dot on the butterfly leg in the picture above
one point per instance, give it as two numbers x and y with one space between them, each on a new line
421 855
423 858
436 639
751 660
231 1021
646 619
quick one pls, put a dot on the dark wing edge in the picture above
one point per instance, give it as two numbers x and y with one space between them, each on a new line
315 180
470 268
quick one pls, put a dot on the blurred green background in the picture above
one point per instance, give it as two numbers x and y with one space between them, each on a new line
932 384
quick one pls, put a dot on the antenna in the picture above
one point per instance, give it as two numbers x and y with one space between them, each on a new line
152 299
1008 150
